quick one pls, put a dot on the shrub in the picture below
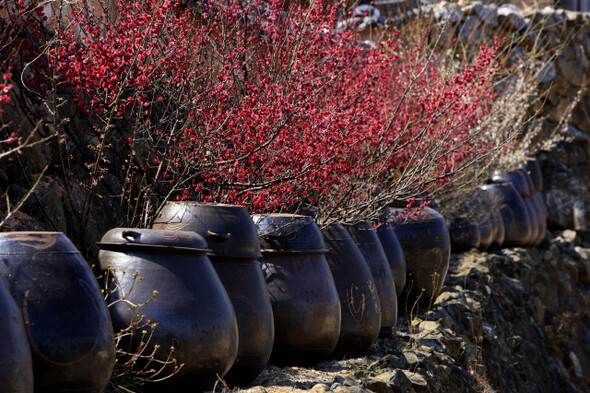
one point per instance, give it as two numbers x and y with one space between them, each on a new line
245 103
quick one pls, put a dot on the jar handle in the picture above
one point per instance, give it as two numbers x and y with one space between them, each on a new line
130 235
272 236
219 237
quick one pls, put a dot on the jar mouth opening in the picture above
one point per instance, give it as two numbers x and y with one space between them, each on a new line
281 215
212 204
125 246
45 233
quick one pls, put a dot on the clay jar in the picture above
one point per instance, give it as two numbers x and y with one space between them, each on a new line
195 321
394 253
15 355
359 300
514 213
68 324
538 216
368 243
305 304
533 171
539 206
490 216
531 165
426 245
519 181
463 228
231 236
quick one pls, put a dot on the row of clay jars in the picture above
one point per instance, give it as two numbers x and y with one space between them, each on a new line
348 268
475 221
524 225
507 212
209 332
326 299
356 264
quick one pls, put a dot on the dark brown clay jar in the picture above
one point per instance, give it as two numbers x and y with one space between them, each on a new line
491 228
426 244
368 243
539 206
491 202
231 236
68 324
394 253
463 228
193 313
532 209
359 300
15 355
514 214
305 304
534 171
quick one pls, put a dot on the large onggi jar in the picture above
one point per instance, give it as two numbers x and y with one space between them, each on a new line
359 300
368 243
68 324
195 322
15 354
231 236
305 303
427 249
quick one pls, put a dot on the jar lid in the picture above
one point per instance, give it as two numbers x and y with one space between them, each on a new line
130 238
288 233
227 229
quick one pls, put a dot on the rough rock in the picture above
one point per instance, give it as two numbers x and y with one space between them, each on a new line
510 19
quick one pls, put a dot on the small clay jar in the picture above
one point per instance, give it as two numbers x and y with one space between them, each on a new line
463 227
394 253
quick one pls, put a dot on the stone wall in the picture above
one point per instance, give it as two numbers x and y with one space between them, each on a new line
560 42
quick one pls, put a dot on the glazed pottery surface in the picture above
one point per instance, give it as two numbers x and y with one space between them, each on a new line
195 320
68 324
539 205
426 244
491 227
15 355
522 185
368 243
231 236
534 171
463 227
395 255
305 303
515 217
533 210
359 300
516 178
